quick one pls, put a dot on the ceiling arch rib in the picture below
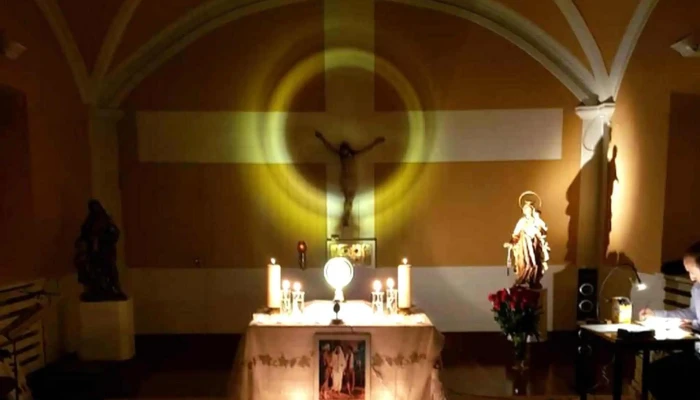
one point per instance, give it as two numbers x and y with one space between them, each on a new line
173 39
629 42
59 26
588 44
113 38
487 13
525 34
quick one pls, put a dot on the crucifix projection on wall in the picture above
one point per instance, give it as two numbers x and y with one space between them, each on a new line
376 180
348 170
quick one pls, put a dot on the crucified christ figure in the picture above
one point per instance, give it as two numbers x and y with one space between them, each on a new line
348 172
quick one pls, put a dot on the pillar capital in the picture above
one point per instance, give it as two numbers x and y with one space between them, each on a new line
603 111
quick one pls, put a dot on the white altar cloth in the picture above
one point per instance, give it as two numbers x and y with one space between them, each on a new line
277 357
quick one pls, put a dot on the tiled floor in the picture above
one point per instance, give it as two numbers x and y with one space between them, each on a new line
199 368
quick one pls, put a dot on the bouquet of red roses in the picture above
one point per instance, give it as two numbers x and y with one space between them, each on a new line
517 312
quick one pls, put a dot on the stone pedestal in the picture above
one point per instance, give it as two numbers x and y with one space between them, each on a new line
543 315
106 330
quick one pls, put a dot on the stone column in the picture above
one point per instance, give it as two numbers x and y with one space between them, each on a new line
104 154
595 137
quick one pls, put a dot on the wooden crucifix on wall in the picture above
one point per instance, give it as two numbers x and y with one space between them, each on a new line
348 171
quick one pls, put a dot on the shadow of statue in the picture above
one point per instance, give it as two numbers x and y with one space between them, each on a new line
610 188
581 237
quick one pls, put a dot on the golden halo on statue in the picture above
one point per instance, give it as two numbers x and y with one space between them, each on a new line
531 195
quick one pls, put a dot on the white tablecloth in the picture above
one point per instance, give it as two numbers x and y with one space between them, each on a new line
279 361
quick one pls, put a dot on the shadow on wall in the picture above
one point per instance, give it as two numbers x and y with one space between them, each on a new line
566 281
619 283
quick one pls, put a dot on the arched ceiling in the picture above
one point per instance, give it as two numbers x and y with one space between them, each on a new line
606 27
570 46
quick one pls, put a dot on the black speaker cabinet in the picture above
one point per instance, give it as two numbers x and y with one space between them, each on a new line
587 294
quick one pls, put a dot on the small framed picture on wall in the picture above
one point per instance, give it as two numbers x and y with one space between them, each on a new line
360 252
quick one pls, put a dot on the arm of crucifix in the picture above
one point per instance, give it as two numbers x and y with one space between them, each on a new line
370 146
326 143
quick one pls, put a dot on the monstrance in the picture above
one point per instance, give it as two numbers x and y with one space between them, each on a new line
338 273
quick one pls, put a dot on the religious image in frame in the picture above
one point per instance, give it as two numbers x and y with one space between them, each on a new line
360 252
342 367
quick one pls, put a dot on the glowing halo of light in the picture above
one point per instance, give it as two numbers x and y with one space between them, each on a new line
338 273
271 144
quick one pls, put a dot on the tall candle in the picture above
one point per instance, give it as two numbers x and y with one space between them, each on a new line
404 278
274 290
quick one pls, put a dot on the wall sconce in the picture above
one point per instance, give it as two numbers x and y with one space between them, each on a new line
9 48
687 47
301 250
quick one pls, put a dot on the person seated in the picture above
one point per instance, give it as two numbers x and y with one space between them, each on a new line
673 377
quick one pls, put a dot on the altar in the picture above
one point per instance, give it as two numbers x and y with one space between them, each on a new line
392 357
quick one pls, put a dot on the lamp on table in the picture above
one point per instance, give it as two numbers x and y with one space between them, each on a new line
636 282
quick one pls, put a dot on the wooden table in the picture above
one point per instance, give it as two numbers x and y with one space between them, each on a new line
663 339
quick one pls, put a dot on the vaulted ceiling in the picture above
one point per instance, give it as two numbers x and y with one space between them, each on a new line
585 43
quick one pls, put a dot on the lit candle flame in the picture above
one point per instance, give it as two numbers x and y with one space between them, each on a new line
405 261
285 284
377 286
390 283
273 261
297 286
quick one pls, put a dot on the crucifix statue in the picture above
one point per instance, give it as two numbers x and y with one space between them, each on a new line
348 172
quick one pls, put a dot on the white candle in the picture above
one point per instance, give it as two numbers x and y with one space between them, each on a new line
274 278
377 286
404 278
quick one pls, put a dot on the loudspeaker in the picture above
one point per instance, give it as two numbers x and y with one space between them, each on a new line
587 294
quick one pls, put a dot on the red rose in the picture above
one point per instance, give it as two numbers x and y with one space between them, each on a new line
497 306
492 297
512 305
503 295
517 297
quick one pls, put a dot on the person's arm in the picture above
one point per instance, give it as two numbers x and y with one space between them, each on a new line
689 313
326 143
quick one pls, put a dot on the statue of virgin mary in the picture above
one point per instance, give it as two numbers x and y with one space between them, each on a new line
528 250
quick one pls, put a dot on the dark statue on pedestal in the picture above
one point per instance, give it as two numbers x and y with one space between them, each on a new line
96 256
348 173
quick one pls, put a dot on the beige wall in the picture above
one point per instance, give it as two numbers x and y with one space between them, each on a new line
58 154
46 161
176 211
681 213
640 131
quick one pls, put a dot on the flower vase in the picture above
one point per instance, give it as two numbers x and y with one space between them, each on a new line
520 353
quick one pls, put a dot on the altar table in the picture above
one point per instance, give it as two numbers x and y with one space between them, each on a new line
277 358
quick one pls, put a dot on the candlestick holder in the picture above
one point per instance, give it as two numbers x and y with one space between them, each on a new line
286 305
392 301
378 302
298 302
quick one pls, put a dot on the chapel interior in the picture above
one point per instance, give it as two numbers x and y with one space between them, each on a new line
344 199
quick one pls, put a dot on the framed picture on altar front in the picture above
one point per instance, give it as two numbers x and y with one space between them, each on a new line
342 366
360 252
